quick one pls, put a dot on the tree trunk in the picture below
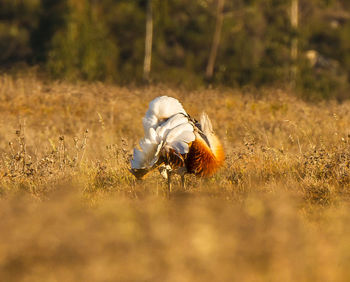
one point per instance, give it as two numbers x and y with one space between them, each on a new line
216 39
294 20
148 42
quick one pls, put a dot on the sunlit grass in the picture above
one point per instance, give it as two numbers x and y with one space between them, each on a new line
71 211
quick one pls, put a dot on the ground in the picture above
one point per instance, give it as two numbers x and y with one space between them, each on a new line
71 211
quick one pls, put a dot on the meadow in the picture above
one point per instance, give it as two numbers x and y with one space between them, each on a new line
71 211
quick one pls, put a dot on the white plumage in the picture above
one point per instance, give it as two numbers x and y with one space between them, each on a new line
166 125
161 108
176 143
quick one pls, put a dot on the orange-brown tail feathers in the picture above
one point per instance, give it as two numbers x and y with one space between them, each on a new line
203 160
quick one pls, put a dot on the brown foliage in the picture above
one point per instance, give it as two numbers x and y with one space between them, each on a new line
71 211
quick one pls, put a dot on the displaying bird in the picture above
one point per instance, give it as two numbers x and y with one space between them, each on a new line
175 143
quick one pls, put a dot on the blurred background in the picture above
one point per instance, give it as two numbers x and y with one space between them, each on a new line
303 45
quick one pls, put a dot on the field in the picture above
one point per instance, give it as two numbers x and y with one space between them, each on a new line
71 211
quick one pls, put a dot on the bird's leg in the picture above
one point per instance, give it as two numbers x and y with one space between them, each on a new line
183 181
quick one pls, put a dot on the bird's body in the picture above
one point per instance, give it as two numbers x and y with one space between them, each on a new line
176 143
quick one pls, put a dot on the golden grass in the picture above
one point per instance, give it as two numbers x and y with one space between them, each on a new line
71 211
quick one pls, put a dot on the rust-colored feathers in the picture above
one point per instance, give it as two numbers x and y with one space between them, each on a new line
203 160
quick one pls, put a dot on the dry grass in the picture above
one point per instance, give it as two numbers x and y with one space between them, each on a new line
71 211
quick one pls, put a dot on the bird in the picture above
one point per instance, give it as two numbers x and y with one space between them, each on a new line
176 143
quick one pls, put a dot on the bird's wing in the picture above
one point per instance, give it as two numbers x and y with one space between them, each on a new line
164 128
160 109
170 140
179 137
148 155
177 144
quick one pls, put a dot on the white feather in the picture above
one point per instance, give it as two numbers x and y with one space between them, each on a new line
205 122
207 129
175 132
146 157
165 107
149 153
179 146
179 137
149 121
171 123
137 159
159 109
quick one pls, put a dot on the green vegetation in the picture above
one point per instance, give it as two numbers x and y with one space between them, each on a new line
104 40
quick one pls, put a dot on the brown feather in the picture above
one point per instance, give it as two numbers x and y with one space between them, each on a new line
202 160
174 159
